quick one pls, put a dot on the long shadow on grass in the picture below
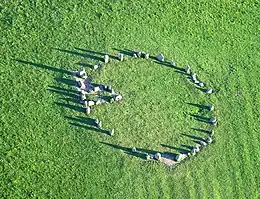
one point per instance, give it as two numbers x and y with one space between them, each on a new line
196 138
207 131
86 123
97 53
200 106
45 67
73 94
180 150
201 118
140 152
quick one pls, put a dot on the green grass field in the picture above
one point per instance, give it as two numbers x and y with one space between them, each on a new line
47 149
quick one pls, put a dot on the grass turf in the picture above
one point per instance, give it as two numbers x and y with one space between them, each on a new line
48 150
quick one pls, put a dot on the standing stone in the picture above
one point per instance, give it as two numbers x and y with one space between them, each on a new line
211 132
98 102
146 56
211 108
160 57
139 54
193 76
209 91
106 59
81 85
91 103
99 125
88 110
193 151
111 132
203 143
209 140
157 156
133 149
180 157
197 148
134 55
196 81
187 69
149 157
120 57
83 96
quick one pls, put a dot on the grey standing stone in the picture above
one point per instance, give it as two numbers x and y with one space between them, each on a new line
193 151
81 72
160 57
134 55
173 63
146 56
193 76
106 59
133 149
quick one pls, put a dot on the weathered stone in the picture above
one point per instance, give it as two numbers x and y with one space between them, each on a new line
189 154
121 57
160 57
96 89
98 102
83 97
134 55
197 148
187 69
139 54
203 143
149 157
117 97
133 149
211 132
146 56
81 85
157 156
106 59
209 91
99 125
196 81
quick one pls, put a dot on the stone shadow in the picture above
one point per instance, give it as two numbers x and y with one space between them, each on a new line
201 118
180 150
45 67
91 52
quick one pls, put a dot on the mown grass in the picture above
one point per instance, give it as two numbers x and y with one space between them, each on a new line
48 151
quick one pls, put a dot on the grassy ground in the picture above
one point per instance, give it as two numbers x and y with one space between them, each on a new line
47 149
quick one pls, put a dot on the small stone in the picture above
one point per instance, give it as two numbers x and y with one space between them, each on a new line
209 91
106 59
189 154
96 89
133 149
98 102
187 69
160 57
112 100
157 156
139 54
196 81
201 84
197 148
88 110
117 97
173 63
120 57
180 157
134 55
111 132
